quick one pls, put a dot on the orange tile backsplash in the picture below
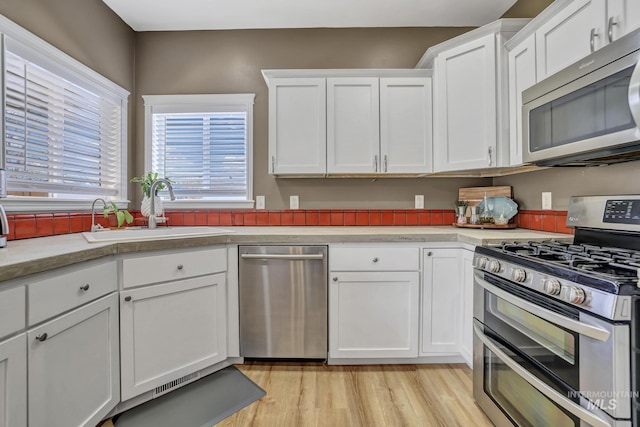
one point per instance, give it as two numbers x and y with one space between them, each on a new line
25 226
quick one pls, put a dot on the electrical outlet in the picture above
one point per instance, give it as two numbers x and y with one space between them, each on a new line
546 200
294 202
260 203
419 202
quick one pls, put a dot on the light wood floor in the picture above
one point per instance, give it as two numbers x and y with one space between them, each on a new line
314 394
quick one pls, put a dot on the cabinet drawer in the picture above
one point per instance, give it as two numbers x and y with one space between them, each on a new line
13 308
62 292
374 259
172 266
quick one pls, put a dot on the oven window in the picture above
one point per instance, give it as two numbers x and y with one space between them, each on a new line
598 109
520 401
553 338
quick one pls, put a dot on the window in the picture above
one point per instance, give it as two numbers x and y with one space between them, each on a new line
64 127
203 143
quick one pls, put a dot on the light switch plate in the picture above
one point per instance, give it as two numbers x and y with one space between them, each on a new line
546 200
260 202
419 202
294 202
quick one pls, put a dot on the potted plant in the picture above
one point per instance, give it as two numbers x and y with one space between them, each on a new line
146 181
119 217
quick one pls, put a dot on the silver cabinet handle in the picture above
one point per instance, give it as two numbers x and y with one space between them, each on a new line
592 40
490 155
634 94
127 299
42 337
335 279
85 287
375 259
538 384
273 164
282 256
180 267
429 253
385 163
375 163
581 328
612 22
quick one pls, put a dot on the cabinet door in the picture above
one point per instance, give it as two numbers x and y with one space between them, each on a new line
297 126
466 342
170 331
74 366
623 17
441 296
353 125
522 75
465 103
373 314
405 125
570 35
13 381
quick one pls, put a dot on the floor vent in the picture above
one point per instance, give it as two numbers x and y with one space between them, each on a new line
166 388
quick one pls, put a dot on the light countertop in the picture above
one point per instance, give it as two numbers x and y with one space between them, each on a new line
29 256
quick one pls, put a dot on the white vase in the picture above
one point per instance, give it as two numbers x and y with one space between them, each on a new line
145 206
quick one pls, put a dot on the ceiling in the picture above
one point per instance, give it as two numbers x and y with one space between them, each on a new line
175 15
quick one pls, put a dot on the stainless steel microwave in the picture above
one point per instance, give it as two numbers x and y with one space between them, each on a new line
588 113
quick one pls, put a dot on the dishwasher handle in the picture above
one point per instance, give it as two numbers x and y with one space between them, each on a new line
282 256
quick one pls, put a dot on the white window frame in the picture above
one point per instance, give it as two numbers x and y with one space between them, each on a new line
69 68
199 103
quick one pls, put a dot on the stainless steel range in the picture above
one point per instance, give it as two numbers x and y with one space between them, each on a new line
557 325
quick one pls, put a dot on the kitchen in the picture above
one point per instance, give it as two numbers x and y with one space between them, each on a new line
163 65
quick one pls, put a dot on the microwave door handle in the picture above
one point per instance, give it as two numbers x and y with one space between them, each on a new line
535 382
634 94
581 328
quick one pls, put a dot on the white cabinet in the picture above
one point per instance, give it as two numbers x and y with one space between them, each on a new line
442 299
13 381
522 75
353 125
297 126
573 33
466 341
349 122
623 16
373 312
171 330
406 125
465 103
73 366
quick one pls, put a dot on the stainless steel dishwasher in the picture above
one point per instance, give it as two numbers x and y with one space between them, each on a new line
283 302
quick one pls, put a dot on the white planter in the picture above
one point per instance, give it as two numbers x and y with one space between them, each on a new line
145 206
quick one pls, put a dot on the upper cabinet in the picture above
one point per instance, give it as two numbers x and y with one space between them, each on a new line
470 98
349 122
297 126
580 28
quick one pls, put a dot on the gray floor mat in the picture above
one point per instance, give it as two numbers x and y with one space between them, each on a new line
199 404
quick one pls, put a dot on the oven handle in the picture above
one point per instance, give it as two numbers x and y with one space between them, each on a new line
543 388
634 94
573 325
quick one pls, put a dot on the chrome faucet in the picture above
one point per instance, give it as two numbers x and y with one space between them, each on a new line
94 226
153 219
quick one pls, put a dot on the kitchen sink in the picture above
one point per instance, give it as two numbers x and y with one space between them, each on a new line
138 234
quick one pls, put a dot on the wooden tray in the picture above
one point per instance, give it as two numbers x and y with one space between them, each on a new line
503 226
474 195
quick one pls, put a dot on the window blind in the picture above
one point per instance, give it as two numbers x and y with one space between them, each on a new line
60 138
205 154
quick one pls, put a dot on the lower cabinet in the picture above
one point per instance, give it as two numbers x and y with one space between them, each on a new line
73 366
13 381
441 301
169 331
373 314
466 334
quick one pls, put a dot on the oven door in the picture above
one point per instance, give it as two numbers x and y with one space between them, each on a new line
514 392
584 356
